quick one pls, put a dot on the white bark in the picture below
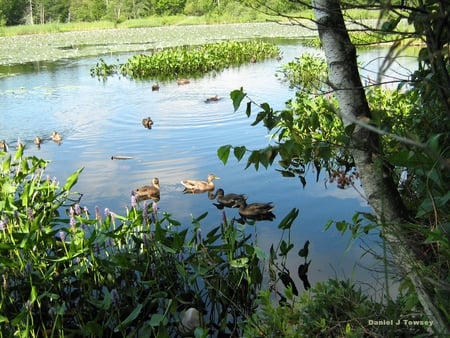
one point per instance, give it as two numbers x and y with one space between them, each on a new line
376 176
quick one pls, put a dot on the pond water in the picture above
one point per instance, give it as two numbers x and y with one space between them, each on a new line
100 119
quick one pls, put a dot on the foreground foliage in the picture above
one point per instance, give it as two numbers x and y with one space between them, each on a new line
188 61
107 274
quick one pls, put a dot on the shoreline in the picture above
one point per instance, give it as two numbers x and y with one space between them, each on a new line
22 49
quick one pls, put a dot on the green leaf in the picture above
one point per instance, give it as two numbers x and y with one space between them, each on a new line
261 254
72 180
131 317
224 152
248 110
6 164
261 116
237 96
287 221
157 319
285 248
239 152
199 218
253 159
390 25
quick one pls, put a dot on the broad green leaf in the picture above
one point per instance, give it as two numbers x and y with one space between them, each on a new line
261 254
261 115
156 319
287 221
237 96
223 153
239 152
131 317
72 180
285 248
266 107
6 164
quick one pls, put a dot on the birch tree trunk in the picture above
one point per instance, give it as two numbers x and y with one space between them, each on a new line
376 177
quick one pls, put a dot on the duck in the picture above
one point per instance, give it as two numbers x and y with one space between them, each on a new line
37 141
56 137
258 211
147 122
212 99
228 200
199 186
3 146
148 191
181 82
155 87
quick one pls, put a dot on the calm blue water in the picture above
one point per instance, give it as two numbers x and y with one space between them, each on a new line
100 119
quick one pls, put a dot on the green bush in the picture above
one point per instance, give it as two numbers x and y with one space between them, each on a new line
332 309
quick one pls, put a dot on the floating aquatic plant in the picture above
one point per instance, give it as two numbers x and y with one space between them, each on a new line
172 63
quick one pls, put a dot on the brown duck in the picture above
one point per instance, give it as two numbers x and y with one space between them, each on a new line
255 210
147 122
148 191
226 200
199 186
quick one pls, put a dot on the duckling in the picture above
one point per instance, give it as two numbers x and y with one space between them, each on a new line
56 137
258 211
148 191
3 146
155 87
199 186
37 141
147 122
228 200
181 82
212 99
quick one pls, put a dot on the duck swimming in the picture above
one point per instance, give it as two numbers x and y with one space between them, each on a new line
212 99
181 82
147 122
56 137
37 141
199 186
3 146
155 87
148 191
257 211
228 200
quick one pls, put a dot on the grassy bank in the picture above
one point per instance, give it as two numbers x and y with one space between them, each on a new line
251 16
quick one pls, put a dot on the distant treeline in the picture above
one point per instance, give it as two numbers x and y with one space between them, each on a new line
18 12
